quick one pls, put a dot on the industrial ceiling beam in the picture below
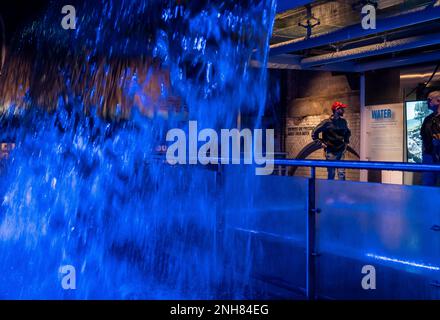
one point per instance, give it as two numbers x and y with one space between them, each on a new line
347 67
427 14
398 62
350 66
290 61
284 5
372 50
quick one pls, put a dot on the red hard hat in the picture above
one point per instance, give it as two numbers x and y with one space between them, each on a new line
337 105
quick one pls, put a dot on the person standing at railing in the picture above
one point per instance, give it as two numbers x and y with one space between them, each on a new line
335 137
430 133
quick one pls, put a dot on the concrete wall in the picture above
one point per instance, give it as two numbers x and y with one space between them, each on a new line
308 98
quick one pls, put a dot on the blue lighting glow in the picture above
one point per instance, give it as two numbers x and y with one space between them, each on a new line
408 263
85 186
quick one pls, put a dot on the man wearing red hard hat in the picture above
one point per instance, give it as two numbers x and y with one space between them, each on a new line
335 137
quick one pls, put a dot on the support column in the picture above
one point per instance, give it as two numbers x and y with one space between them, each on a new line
311 238
363 133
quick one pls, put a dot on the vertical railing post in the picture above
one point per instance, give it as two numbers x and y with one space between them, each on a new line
311 237
219 220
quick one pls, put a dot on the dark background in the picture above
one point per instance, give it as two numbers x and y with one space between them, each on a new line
18 13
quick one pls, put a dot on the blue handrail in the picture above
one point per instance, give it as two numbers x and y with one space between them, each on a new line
371 165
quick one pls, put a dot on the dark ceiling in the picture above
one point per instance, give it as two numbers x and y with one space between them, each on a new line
18 13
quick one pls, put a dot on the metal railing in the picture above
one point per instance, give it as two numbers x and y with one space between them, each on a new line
362 165
311 249
313 211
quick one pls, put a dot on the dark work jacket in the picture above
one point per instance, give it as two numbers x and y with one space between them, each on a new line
430 133
335 134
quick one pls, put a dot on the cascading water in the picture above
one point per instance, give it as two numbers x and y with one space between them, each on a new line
84 185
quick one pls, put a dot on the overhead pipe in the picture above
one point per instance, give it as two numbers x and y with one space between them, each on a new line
372 50
412 76
352 67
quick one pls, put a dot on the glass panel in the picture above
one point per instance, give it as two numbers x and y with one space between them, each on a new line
265 228
390 227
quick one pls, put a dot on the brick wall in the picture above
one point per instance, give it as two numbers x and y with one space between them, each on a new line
309 97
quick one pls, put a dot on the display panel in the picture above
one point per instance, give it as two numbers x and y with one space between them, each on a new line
416 112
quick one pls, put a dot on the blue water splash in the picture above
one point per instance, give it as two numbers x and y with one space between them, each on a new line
85 186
